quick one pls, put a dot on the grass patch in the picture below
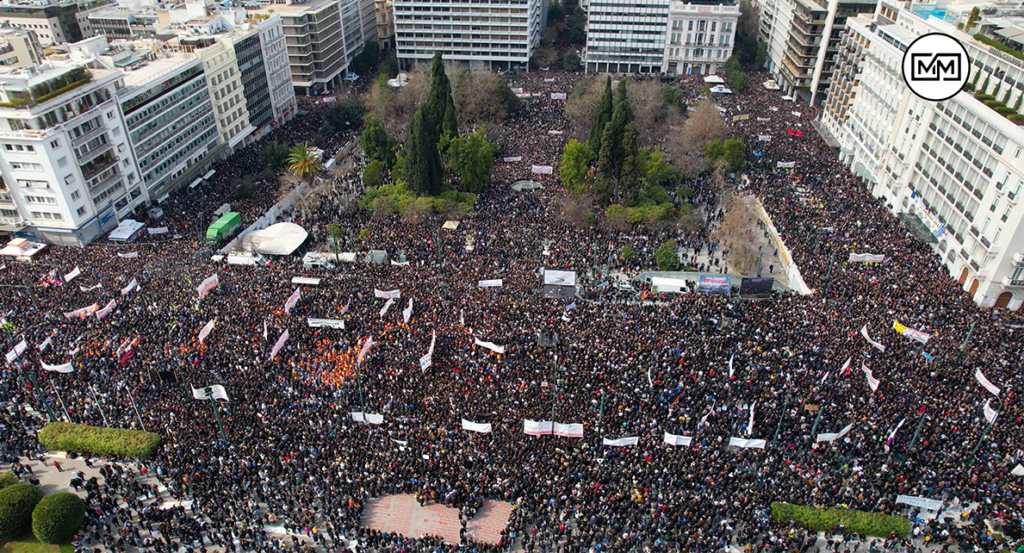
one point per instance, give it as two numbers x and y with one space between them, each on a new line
859 522
29 544
79 438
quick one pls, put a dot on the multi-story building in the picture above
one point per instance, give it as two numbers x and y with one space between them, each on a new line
54 23
700 36
803 41
385 11
626 38
67 166
278 73
19 48
322 37
486 34
224 79
123 23
953 170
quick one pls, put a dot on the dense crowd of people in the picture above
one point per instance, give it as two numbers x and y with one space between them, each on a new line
693 365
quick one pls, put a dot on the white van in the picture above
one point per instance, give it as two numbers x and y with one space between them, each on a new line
246 258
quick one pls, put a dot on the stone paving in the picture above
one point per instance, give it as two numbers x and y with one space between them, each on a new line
403 515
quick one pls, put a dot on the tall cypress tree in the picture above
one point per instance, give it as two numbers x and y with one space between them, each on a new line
422 167
605 165
601 117
441 111
629 177
622 116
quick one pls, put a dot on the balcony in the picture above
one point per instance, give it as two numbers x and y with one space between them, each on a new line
974 231
1018 258
1007 281
975 266
1012 196
94 153
98 165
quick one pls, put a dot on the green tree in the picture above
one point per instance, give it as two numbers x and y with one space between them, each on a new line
575 166
630 176
378 145
8 479
335 231
57 517
302 162
472 156
242 187
422 162
16 505
440 107
621 116
373 174
974 17
713 151
571 61
576 34
689 222
762 54
366 58
659 171
733 153
389 67
747 29
666 256
626 252
275 155
346 115
602 116
556 13
605 164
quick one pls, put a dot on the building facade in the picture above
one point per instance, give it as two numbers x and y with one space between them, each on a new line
53 23
489 34
700 37
278 73
19 48
227 93
953 170
385 13
626 38
68 169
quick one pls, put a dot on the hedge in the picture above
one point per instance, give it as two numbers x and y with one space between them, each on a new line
8 479
65 436
57 517
998 46
16 504
859 522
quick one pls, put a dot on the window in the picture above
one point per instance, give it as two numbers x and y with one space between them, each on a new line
47 215
76 194
62 162
26 166
80 211
713 25
33 183
690 26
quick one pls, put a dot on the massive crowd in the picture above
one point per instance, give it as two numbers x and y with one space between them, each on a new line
295 458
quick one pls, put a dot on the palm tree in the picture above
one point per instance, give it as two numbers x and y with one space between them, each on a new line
335 231
302 162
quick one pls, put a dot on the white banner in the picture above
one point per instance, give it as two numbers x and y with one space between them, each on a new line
365 349
763 119
328 323
129 255
210 283
131 286
555 133
106 310
1017 471
207 330
512 159
217 391
387 295
17 350
46 343
622 442
866 257
427 359
559 278
990 413
483 428
535 428
558 95
157 230
71 276
672 439
279 344
399 263
489 345
542 169
833 436
888 441
387 305
915 334
83 312
569 430
785 165
864 333
750 425
748 444
91 288
923 502
984 382
407 312
489 283
517 90
733 356
764 137
372 418
292 300
65 368
872 381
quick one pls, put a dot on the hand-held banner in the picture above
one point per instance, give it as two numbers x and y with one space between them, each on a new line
292 300
387 295
985 382
833 436
106 310
570 430
489 283
407 312
387 305
489 345
911 333
864 333
535 428
483 428
279 344
672 439
990 413
372 418
866 258
83 312
747 444
65 368
730 365
16 351
542 169
622 442
366 348
872 381
131 286
210 283
207 330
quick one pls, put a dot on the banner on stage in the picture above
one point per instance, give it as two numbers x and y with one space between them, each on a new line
483 428
747 444
785 165
210 283
325 323
559 278
217 391
512 159
833 436
985 382
672 439
542 169
570 430
866 258
558 96
206 330
65 368
106 310
922 502
292 300
622 442
83 312
279 344
489 283
489 345
536 428
131 286
387 295
372 418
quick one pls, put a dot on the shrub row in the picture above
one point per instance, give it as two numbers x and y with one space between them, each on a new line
64 436
859 522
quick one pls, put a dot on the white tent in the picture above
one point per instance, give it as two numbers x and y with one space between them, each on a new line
714 79
662 284
279 239
126 231
720 90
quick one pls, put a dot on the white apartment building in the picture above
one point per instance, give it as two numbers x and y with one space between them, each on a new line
953 170
700 37
225 83
278 73
54 22
19 48
489 34
68 170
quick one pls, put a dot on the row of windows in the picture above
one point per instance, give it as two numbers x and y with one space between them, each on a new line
19 148
203 138
157 153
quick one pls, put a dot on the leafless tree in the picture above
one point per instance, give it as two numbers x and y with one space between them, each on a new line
576 209
704 125
738 231
395 107
652 113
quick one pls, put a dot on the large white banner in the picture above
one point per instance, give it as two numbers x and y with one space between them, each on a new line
990 413
672 439
750 425
542 169
83 312
158 230
428 359
512 159
764 137
131 286
489 345
748 444
569 430
71 276
217 391
1017 471
872 381
559 278
365 349
279 344
292 300
489 283
129 255
206 330
387 295
558 96
17 350
833 436
785 164
210 283
407 312
65 368
536 428
90 288
922 502
984 382
387 305
46 343
328 323
864 333
483 428
866 257
111 305
622 442
372 418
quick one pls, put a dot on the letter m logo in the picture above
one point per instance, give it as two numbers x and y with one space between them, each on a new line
935 67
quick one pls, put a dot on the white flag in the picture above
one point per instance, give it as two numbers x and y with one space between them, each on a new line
264 330
622 442
706 415
476 426
407 312
279 344
990 413
872 381
888 441
217 391
366 348
985 382
206 330
292 300
833 436
387 295
65 368
864 333
730 365
749 444
462 317
846 366
672 439
489 345
131 286
750 425
1017 471
387 305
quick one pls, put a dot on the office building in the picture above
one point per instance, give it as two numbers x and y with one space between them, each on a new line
278 74
116 22
700 37
54 23
385 11
803 41
19 48
489 34
68 170
952 170
225 82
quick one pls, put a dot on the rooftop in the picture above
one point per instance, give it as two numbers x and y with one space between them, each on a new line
286 10
153 69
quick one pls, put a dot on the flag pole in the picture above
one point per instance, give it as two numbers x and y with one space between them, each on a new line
66 413
821 409
554 392
963 346
980 440
216 414
600 415
913 440
778 427
32 379
97 398
137 414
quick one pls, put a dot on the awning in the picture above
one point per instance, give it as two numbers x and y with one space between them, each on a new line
918 228
209 174
195 183
450 225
